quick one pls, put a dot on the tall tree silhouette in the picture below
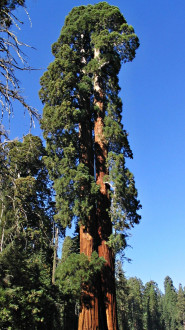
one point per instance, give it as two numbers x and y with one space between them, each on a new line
87 144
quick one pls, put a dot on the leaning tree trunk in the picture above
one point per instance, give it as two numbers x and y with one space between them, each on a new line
88 317
107 299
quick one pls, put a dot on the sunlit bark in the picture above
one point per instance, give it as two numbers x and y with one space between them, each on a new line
88 317
107 302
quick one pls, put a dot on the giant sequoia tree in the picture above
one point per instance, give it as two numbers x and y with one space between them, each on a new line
87 145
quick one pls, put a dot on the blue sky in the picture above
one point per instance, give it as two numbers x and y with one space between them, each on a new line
153 94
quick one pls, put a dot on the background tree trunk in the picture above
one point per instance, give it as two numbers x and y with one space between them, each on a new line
55 255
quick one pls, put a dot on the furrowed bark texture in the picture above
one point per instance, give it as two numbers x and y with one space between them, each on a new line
107 301
88 317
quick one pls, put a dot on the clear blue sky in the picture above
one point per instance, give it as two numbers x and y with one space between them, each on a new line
153 94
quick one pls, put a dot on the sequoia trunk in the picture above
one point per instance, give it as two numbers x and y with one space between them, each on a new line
107 300
88 317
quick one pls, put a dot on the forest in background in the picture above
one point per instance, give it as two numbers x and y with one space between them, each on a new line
34 293
29 298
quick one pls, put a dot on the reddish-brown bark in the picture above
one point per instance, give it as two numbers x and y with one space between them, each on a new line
104 231
98 304
107 300
88 317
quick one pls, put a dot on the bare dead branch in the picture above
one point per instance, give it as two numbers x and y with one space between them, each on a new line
12 59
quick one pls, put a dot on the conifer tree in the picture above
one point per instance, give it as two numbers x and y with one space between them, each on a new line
87 145
170 305
181 308
135 303
151 312
26 210
122 293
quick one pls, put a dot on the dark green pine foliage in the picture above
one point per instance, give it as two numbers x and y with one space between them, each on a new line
151 307
69 301
146 307
76 269
27 193
169 305
69 114
135 304
26 295
6 8
122 292
73 270
181 308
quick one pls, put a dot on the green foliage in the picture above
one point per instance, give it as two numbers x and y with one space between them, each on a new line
122 291
135 304
6 8
75 273
77 202
26 193
124 201
26 210
169 304
146 307
68 247
151 300
68 94
78 270
180 308
25 291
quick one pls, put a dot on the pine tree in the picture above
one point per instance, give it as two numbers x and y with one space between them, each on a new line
122 293
70 301
169 305
85 137
151 312
26 208
135 303
181 308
